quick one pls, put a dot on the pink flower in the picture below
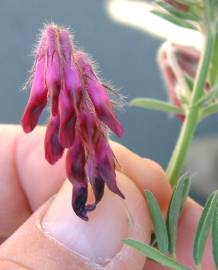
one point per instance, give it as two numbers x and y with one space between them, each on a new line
80 115
178 64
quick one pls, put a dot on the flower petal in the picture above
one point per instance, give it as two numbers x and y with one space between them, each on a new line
106 165
53 80
75 162
66 45
53 149
79 198
177 5
95 179
75 168
88 127
98 96
103 106
98 188
37 100
188 59
73 84
67 120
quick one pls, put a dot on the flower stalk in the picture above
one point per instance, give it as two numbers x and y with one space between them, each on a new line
189 126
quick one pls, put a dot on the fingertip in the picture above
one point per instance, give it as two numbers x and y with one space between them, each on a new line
54 236
113 221
14 207
28 178
39 179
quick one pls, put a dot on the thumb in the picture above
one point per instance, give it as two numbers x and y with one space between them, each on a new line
55 238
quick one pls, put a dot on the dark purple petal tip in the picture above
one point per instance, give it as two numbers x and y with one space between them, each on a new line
79 198
53 149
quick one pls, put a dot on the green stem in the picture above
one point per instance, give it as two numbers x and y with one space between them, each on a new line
213 74
189 126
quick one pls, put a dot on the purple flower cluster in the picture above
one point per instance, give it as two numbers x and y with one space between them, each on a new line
80 115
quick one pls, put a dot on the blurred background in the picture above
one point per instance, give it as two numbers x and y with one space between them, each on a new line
127 58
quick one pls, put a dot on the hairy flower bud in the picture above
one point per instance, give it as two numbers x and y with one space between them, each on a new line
81 113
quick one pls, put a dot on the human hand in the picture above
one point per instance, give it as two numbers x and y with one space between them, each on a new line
53 237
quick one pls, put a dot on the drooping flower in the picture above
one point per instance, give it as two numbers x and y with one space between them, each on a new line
178 64
81 113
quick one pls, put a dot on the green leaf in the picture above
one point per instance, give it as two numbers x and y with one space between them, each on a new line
184 15
204 226
155 255
215 237
210 110
176 205
160 228
154 104
174 19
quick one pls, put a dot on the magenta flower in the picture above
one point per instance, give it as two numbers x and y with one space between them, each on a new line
80 115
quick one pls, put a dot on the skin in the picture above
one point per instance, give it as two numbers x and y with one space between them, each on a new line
28 210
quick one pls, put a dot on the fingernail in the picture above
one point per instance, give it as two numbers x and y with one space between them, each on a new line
100 238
